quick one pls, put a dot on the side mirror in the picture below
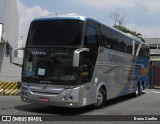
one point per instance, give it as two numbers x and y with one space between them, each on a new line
12 53
77 56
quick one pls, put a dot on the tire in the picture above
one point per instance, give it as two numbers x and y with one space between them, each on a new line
138 90
101 98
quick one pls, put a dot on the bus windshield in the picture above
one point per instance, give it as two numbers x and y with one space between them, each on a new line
49 64
55 32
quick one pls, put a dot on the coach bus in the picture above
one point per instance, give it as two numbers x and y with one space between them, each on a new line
75 61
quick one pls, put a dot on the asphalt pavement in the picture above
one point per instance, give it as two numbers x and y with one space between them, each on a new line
148 105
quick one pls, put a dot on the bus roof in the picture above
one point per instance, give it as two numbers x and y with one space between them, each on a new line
63 16
83 18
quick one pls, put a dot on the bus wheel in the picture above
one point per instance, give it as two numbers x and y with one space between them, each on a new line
100 98
138 90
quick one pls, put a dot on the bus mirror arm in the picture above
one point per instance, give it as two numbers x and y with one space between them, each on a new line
76 56
12 53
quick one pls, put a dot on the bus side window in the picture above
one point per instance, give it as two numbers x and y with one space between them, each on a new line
114 43
106 36
92 36
123 44
92 40
144 51
128 44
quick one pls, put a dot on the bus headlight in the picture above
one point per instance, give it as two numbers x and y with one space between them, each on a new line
70 104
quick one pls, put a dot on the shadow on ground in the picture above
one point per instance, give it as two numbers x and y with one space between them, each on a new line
44 109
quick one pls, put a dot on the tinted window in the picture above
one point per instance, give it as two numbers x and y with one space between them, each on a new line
92 40
55 32
114 41
144 51
49 64
128 43
106 36
92 34
121 46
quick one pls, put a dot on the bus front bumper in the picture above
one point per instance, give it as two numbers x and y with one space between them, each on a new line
60 100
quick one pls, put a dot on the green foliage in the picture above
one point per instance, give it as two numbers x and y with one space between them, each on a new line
124 29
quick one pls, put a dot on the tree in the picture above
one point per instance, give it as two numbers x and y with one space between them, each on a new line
119 24
118 20
124 29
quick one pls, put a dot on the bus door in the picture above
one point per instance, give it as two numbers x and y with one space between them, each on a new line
89 60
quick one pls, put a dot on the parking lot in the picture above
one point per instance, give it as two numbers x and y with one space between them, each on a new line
146 104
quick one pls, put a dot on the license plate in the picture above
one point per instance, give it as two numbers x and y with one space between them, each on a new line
42 99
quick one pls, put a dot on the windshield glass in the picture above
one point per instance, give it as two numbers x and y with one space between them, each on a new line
49 64
55 32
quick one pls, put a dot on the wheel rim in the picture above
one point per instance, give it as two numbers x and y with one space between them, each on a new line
99 98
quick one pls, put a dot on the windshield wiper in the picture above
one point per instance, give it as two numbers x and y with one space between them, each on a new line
59 79
33 76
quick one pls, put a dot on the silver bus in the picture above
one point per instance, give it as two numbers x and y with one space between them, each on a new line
75 61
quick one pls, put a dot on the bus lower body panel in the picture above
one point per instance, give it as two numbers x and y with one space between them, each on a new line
62 99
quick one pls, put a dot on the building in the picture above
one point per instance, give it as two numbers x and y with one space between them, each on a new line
154 44
9 24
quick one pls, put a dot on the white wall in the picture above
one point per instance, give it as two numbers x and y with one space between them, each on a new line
11 69
10 20
153 41
2 51
1 11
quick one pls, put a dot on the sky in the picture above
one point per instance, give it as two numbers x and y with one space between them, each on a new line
140 15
